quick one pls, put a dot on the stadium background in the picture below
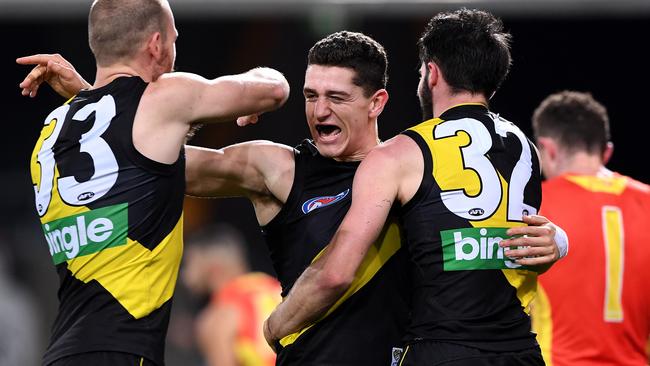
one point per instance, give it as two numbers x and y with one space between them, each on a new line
596 46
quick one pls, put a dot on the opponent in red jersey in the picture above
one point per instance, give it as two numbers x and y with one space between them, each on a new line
229 329
593 308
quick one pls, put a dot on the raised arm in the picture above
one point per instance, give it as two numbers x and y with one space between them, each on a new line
374 190
192 98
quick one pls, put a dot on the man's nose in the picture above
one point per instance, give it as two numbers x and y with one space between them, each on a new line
322 109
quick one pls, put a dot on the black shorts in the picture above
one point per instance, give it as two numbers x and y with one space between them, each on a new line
103 358
427 353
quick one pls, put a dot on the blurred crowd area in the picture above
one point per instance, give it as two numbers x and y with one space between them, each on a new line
600 53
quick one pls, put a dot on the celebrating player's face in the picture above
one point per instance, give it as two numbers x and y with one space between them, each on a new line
337 113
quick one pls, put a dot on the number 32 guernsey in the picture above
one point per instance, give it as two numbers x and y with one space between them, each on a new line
481 174
112 221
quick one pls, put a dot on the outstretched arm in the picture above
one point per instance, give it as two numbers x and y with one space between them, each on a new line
191 98
261 168
242 97
54 70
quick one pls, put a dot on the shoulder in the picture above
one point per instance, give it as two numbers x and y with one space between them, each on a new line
396 157
397 149
638 186
176 84
271 154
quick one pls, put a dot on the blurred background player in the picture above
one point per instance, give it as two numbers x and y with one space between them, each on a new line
229 328
593 308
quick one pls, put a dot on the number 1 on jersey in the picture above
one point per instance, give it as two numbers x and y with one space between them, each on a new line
614 260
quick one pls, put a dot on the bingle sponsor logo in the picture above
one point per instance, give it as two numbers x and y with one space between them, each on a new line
474 249
86 233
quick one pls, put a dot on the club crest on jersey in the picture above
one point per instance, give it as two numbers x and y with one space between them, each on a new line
318 202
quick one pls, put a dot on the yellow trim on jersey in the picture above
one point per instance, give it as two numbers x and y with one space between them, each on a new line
404 355
543 324
614 185
379 253
450 173
140 279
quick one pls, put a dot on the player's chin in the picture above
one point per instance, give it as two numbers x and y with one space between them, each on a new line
330 150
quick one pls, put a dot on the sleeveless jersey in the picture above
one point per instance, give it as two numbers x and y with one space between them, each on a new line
480 175
369 321
112 220
594 305
254 295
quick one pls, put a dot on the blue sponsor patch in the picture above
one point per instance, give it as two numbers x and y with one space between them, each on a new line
318 202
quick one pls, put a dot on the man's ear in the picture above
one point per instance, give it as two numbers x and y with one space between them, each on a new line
434 74
548 156
378 102
155 46
609 150
548 147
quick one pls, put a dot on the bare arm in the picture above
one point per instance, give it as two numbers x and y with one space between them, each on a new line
374 190
249 168
216 333
188 97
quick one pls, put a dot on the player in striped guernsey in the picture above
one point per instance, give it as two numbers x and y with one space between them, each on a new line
109 174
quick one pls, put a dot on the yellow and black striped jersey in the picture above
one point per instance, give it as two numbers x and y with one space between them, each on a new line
481 174
112 220
366 326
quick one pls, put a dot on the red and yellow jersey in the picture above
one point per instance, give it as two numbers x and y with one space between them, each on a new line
593 307
254 295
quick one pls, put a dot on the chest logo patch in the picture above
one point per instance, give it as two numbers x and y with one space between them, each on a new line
319 202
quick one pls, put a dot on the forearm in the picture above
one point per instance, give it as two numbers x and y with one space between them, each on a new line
311 297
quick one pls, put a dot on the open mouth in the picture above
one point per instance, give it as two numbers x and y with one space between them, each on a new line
327 130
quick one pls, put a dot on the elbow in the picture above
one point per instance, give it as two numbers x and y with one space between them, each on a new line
192 187
280 93
335 282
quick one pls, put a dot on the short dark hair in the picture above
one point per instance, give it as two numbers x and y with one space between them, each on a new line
356 51
471 49
575 120
117 28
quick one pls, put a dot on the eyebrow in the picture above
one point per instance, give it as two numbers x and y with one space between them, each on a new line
328 92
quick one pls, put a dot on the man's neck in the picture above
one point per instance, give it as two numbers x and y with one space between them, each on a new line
580 163
440 105
105 75
360 154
